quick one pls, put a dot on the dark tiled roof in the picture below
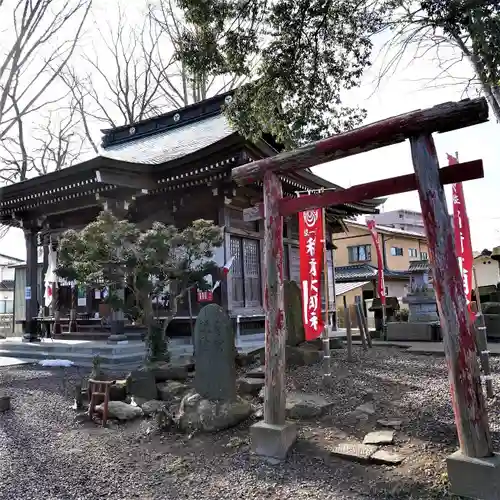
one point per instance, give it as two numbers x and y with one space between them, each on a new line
418 265
7 285
172 143
359 272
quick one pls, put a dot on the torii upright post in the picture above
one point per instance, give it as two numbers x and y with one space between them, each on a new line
273 436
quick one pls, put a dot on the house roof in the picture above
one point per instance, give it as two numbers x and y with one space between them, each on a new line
390 230
181 149
10 258
359 272
172 143
7 285
341 288
418 265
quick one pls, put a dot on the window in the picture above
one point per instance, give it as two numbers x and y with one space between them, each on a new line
6 306
423 256
360 253
412 252
245 272
396 251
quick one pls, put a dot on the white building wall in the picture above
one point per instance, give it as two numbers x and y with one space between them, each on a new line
487 271
397 288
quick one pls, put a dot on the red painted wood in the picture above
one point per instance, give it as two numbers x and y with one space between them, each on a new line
275 396
467 397
442 118
385 187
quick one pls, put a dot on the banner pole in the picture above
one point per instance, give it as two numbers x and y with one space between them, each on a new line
325 334
482 340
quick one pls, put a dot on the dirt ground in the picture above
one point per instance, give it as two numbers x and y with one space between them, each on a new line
46 451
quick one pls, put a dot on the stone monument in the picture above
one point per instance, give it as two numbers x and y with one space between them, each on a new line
293 314
213 404
423 319
422 305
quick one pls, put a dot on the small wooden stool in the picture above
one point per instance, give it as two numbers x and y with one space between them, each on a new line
99 388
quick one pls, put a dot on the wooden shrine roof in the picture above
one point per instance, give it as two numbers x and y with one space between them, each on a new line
189 147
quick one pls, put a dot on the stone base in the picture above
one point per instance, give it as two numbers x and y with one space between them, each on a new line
477 478
199 414
31 337
272 441
419 332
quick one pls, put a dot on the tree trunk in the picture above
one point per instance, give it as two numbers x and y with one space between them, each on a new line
492 93
156 340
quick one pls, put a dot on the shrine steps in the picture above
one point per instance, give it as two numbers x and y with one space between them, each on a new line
97 335
114 357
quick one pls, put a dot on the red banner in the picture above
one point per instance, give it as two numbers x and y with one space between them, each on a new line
376 243
205 296
311 261
461 229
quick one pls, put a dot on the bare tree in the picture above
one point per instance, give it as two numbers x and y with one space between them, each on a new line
134 72
451 31
53 144
59 143
122 81
37 48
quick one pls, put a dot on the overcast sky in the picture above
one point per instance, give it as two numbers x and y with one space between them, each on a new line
404 91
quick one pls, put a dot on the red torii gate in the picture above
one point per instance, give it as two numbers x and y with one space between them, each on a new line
274 435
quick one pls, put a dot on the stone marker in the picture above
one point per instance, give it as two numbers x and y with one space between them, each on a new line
379 437
303 405
354 451
4 402
213 405
215 376
386 458
395 424
293 314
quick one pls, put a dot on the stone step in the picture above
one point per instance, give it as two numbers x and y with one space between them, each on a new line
85 334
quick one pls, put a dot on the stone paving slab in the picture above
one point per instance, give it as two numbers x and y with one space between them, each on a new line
354 451
379 437
5 361
386 458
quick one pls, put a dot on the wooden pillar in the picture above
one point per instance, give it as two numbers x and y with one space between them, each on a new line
56 302
31 291
275 397
467 397
225 279
73 324
45 265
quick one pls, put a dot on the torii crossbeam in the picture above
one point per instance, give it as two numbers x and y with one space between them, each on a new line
274 435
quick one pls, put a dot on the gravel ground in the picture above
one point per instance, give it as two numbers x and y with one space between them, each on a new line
47 452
